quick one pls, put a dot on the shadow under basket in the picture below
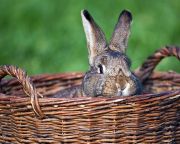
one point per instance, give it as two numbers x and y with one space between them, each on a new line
152 117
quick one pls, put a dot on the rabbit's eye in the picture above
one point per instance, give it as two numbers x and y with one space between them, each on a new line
101 69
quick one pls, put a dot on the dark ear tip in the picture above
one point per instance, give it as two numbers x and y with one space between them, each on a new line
86 14
127 14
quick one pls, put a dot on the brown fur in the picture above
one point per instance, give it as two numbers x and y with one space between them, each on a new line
109 73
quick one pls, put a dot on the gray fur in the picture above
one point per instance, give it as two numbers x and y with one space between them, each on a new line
109 73
121 32
96 41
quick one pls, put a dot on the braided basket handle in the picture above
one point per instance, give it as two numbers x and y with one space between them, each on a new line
27 84
152 61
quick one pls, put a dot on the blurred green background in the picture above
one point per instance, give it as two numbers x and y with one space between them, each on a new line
46 36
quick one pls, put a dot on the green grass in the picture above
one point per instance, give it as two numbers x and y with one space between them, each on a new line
46 36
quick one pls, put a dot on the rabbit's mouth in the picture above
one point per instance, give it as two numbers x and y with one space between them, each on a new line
125 91
118 90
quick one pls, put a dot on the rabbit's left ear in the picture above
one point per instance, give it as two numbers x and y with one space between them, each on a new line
121 32
96 41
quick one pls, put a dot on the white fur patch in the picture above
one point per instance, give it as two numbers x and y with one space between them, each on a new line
126 91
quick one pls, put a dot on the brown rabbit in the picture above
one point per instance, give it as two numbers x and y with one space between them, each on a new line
109 73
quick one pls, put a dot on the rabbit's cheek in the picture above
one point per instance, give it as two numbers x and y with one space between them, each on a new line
98 87
136 85
131 87
109 89
93 85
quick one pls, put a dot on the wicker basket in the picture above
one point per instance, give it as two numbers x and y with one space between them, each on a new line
153 117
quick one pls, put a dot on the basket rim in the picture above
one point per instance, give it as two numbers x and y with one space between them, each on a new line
79 74
76 75
142 97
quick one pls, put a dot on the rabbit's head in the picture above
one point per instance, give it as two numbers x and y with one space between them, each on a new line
109 73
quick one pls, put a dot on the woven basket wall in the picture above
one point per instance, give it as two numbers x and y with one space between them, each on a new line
152 117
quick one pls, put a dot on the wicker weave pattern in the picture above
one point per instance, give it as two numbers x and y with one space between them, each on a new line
149 118
147 68
26 83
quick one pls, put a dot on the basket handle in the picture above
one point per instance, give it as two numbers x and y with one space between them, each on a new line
152 61
27 84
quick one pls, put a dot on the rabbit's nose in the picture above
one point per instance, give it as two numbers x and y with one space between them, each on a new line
123 89
119 89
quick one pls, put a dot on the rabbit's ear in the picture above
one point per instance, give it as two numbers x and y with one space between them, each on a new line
96 40
121 32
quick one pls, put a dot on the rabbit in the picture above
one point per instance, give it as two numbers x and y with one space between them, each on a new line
109 73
